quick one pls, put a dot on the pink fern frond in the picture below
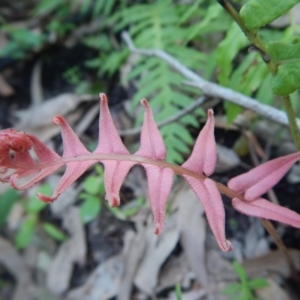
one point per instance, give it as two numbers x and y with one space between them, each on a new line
203 160
14 147
212 203
262 178
253 184
16 157
110 142
72 148
44 155
152 143
160 179
262 208
204 155
109 139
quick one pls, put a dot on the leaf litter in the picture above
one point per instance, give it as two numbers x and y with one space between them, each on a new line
134 268
141 265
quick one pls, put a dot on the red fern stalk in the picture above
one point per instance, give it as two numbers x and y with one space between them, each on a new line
16 162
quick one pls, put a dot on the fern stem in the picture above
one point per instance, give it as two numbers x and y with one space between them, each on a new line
292 120
253 37
272 231
138 160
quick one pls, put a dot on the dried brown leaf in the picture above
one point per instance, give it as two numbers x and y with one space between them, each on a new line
60 271
157 251
273 291
103 283
173 272
44 112
16 266
70 252
134 249
193 232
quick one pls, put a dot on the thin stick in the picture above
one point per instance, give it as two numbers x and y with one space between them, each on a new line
281 246
213 89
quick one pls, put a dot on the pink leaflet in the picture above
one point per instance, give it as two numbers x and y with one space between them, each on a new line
72 148
110 142
212 203
160 179
265 209
152 143
204 156
114 175
109 139
260 179
14 149
45 155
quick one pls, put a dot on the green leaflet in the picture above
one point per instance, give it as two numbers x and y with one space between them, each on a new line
258 13
227 50
7 200
284 50
287 78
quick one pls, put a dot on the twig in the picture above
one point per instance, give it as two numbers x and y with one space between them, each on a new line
171 119
281 246
213 89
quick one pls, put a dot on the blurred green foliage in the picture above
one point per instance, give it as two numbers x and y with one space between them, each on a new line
244 290
93 191
199 33
123 213
7 200
178 292
32 208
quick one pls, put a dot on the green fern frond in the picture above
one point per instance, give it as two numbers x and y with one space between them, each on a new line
167 26
156 26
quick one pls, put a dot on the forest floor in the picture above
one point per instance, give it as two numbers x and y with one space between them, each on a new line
115 254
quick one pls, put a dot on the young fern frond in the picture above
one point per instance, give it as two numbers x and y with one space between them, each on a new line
245 190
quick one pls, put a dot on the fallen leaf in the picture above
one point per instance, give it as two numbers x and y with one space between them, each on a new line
10 258
134 249
103 283
193 232
273 291
227 159
16 266
72 223
256 244
273 262
43 113
158 248
61 268
172 272
70 252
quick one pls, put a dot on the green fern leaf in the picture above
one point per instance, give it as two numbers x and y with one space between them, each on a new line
258 13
